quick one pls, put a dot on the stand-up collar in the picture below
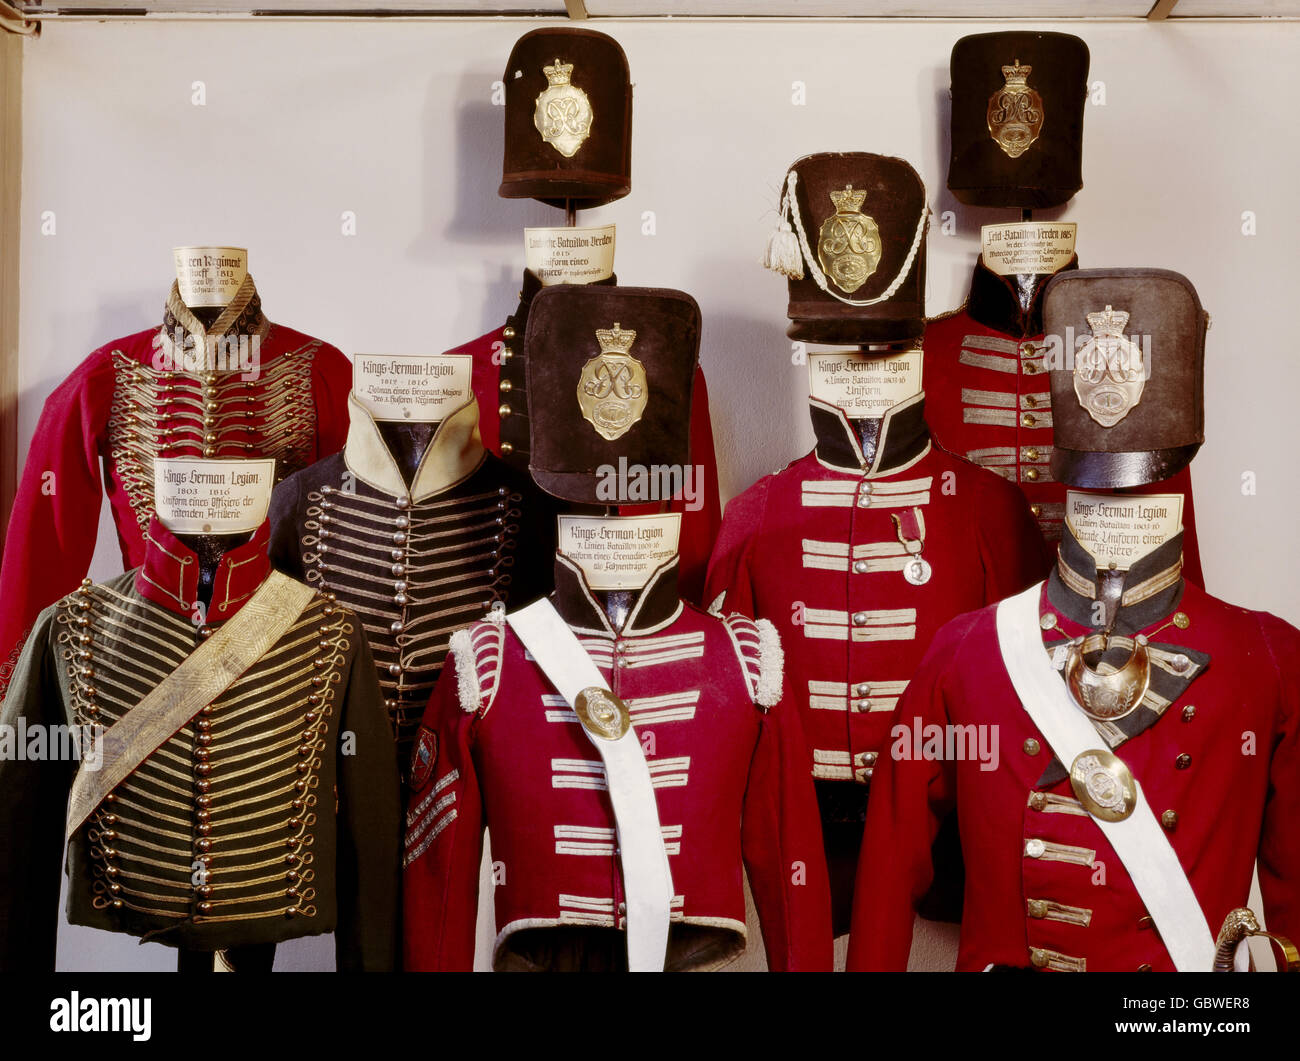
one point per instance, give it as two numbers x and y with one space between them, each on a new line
996 301
242 317
454 453
169 575
904 438
1151 588
654 605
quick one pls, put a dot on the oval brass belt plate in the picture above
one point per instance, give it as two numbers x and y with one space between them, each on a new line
1104 785
601 713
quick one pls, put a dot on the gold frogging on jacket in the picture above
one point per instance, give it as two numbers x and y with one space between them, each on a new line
612 390
848 245
1015 113
1108 372
563 114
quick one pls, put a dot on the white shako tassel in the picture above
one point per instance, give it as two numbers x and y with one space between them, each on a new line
783 255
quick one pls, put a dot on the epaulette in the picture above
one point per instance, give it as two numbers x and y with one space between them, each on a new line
758 647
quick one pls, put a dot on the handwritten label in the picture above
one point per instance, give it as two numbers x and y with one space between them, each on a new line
569 255
415 388
619 552
864 387
1120 529
1028 248
209 276
212 496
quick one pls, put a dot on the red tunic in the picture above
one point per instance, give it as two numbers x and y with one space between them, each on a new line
988 400
1215 746
119 409
501 749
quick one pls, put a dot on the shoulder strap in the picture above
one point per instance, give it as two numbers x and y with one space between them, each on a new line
202 676
604 718
1139 841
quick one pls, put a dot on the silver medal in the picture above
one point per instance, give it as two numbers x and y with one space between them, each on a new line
917 571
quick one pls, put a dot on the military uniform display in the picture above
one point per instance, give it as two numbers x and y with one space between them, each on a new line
501 749
416 555
988 398
858 562
119 410
271 814
1214 744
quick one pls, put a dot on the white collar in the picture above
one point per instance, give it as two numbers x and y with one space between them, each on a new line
454 453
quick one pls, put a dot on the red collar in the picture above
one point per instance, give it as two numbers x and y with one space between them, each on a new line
170 573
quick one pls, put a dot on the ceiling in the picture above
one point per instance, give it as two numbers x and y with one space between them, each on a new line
954 9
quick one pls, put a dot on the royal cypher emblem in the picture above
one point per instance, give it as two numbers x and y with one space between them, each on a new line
1108 372
612 391
848 245
1015 112
563 114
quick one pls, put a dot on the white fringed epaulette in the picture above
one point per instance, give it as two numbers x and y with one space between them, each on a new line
479 650
758 647
467 686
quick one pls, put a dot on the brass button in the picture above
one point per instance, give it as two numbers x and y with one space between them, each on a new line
1037 510
1030 367
1183 761
1038 800
507 448
1029 348
1146 921
1030 401
1028 420
1181 621
1032 475
507 332
503 410
1169 819
506 385
1031 454
1038 958
1189 712
1145 967
1032 747
1038 908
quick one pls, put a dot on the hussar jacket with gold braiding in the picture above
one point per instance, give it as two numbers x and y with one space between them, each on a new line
273 813
501 749
241 387
416 554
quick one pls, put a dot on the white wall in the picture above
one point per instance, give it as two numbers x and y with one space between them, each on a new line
393 120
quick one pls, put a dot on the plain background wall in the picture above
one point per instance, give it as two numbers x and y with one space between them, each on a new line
394 121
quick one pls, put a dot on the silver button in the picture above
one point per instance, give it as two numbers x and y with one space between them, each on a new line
860 567
1035 848
862 689
862 705
859 618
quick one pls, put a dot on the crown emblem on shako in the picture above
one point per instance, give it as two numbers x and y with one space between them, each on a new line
563 114
848 245
1015 111
612 391
1108 371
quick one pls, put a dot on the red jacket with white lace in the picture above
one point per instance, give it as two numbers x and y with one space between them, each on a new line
815 548
500 748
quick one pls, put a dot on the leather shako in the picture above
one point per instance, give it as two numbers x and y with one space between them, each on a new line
1128 391
863 219
610 378
568 119
1017 118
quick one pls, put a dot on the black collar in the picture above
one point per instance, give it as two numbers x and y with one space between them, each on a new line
996 301
654 606
904 436
528 290
1152 587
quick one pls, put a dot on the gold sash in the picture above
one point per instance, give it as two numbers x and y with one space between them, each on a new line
202 676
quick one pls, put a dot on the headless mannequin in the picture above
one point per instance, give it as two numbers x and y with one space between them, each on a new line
407 443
